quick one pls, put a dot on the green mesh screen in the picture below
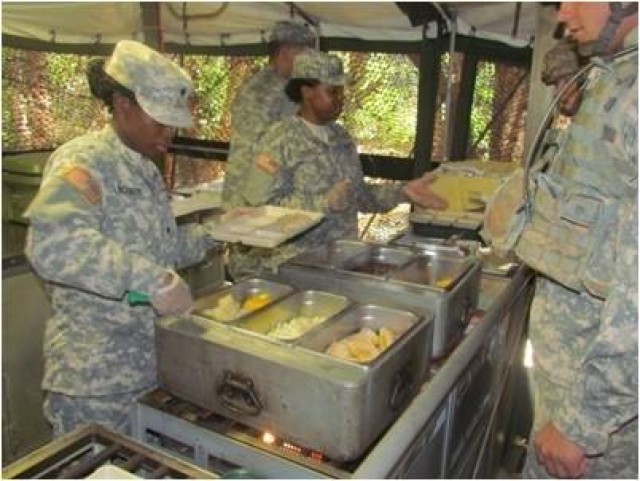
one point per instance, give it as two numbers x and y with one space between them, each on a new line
381 101
216 81
45 100
499 112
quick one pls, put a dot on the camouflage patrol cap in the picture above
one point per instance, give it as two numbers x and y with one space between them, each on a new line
290 33
162 88
313 64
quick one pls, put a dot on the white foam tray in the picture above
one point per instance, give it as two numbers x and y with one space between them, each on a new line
267 226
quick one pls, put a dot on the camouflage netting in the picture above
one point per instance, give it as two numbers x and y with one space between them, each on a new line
45 100
498 113
508 107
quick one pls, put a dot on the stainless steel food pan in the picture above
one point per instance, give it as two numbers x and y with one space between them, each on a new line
436 245
434 270
305 304
378 261
240 292
299 395
371 317
332 255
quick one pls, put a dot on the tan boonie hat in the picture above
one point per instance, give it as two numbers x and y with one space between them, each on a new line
313 64
291 33
162 88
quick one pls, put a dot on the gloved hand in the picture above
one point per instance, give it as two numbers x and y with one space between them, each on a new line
173 296
339 196
419 192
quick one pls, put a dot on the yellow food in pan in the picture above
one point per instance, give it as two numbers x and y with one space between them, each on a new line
363 346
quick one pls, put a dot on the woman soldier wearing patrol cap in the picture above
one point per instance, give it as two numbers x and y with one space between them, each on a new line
101 226
308 161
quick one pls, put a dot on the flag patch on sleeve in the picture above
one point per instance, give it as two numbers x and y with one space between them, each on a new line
81 180
267 164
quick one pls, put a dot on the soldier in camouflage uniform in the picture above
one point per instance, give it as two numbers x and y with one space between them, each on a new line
101 226
310 162
260 103
582 238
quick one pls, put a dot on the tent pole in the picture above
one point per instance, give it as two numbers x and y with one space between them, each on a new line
152 28
151 25
428 78
453 27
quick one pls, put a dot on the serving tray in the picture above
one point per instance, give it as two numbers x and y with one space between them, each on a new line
266 226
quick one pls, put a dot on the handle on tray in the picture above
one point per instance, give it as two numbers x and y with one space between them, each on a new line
237 395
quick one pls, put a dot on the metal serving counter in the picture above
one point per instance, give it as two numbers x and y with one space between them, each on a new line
457 426
454 428
467 387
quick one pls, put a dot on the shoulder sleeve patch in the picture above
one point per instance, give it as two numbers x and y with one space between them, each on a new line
81 180
267 164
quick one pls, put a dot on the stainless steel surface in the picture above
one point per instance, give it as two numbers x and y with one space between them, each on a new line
438 271
333 254
433 244
378 261
509 306
240 292
211 441
368 317
305 304
451 306
418 443
81 452
316 401
491 263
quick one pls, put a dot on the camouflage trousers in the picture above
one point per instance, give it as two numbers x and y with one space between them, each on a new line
619 460
66 413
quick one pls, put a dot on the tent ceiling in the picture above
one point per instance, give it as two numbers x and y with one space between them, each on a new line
238 23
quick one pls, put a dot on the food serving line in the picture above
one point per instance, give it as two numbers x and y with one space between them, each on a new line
385 378
233 397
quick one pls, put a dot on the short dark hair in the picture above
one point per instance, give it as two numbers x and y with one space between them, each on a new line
103 86
293 88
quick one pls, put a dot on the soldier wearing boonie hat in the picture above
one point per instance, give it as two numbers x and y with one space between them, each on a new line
161 87
101 227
